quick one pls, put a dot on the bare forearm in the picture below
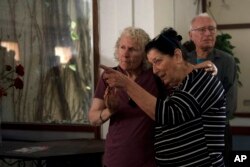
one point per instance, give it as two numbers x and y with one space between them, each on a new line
97 118
143 99
98 113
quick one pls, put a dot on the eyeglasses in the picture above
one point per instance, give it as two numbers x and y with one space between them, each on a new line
202 30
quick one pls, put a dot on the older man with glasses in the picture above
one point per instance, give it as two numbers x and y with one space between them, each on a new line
203 34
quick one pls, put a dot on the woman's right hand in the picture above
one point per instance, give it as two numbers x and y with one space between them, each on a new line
208 66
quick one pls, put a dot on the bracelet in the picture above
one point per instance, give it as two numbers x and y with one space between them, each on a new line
100 116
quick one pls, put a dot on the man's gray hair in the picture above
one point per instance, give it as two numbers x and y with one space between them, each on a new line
204 15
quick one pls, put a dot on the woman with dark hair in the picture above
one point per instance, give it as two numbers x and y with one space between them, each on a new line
190 116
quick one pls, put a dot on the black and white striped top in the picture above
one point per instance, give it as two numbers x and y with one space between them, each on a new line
191 123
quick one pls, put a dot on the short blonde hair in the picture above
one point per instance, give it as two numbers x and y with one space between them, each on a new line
138 35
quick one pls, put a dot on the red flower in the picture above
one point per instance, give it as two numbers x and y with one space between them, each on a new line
18 83
6 80
20 70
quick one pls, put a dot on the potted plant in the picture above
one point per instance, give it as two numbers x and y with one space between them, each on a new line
223 43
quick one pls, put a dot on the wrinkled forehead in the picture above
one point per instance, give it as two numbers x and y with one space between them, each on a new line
154 54
130 41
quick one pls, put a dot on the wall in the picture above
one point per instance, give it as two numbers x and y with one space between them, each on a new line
233 12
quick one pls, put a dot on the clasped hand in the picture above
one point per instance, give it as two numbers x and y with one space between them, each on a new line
111 77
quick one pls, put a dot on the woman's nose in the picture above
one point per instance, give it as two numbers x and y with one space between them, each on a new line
125 53
155 69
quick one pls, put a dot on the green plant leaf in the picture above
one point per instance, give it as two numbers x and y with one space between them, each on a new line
223 43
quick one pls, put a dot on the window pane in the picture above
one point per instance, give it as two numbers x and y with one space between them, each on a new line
53 41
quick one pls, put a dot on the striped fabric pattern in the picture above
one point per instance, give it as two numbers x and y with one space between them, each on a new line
191 123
